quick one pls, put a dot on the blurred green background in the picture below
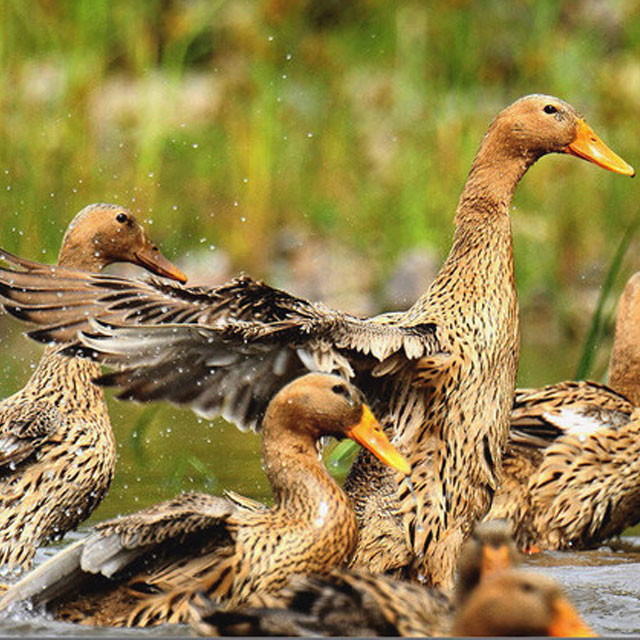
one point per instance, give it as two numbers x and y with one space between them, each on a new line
321 145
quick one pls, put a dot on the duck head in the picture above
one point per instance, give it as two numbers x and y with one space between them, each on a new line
319 404
519 603
488 550
539 124
102 234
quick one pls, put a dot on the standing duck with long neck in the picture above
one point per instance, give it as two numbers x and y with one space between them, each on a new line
441 375
457 450
57 451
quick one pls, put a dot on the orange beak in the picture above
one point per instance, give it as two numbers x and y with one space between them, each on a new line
150 258
369 434
495 559
587 145
567 622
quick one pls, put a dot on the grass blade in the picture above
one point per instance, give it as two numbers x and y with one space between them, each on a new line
596 328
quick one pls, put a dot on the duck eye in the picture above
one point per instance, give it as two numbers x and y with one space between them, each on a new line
527 587
121 217
549 108
340 389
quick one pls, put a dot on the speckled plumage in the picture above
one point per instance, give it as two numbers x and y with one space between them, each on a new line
57 450
491 600
441 374
143 569
58 456
572 470
353 602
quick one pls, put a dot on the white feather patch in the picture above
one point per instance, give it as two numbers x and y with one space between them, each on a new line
573 422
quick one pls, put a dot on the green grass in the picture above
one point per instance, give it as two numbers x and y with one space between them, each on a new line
98 104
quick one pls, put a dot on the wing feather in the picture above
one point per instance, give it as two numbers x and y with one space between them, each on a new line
541 416
24 427
223 350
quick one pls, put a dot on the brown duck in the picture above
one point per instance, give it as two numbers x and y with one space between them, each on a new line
519 603
142 569
508 603
572 471
57 452
357 603
441 374
353 602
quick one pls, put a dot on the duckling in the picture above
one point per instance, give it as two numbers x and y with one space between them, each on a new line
441 375
143 569
57 450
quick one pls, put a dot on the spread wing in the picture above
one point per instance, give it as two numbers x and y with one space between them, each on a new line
540 416
115 544
223 350
24 427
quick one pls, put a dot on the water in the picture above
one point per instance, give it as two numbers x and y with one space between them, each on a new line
603 584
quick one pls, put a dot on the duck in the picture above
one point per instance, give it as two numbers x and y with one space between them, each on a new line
520 603
57 449
491 599
508 603
572 480
354 602
142 569
440 375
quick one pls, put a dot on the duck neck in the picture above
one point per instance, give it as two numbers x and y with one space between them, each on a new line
71 378
296 474
624 366
482 223
78 253
492 181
